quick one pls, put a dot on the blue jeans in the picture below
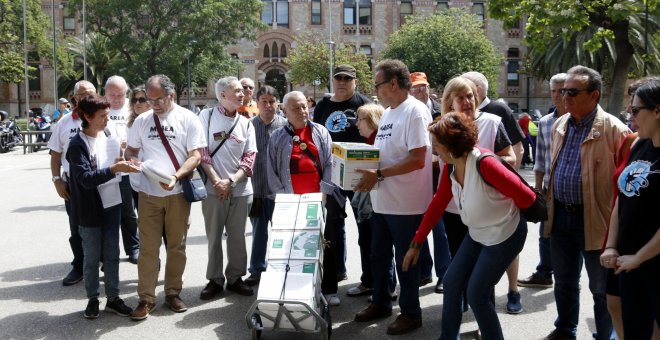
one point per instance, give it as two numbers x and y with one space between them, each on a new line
568 255
477 269
394 231
441 254
129 232
102 242
545 260
260 236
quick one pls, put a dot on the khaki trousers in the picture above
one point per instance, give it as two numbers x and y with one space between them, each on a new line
156 215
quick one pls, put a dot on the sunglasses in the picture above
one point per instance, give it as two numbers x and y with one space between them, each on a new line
572 92
379 84
635 109
247 87
343 78
140 100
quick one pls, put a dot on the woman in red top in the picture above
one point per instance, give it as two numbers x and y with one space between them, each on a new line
489 202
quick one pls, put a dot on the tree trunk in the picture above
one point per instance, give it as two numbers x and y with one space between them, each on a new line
624 54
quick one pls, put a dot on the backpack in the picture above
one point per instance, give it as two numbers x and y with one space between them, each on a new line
538 211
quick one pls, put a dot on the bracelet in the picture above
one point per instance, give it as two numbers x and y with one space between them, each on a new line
414 245
177 177
610 248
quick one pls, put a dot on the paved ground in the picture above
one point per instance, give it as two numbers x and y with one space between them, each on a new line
36 255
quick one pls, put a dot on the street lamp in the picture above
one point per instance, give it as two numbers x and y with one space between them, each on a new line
330 43
316 82
190 91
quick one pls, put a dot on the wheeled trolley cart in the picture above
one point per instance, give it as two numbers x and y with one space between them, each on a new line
289 296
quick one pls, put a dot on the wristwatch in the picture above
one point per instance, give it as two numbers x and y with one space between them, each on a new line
379 176
56 178
232 183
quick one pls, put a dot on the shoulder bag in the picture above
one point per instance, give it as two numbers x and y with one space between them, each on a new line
193 186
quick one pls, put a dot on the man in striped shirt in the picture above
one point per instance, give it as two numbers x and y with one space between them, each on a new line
542 278
262 207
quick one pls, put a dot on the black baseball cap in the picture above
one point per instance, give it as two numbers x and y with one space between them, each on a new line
346 70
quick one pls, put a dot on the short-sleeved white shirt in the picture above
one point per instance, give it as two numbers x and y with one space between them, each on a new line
65 129
227 160
400 130
120 118
184 133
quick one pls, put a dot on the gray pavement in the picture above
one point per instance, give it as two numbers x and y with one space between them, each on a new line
36 255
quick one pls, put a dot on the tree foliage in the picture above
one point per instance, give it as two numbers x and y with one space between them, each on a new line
607 35
157 36
39 38
434 45
309 60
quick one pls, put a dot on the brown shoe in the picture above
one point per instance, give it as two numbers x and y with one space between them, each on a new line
373 312
176 304
142 311
210 291
404 324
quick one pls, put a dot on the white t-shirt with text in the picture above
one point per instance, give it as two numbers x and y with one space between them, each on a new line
400 130
65 129
184 133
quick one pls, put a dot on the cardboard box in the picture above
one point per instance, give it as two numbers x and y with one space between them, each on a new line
295 245
310 267
285 211
299 287
346 157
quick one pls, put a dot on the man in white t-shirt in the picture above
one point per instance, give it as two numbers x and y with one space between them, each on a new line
162 204
67 127
401 189
231 138
116 89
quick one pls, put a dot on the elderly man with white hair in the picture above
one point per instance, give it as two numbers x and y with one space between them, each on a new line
116 90
300 162
228 162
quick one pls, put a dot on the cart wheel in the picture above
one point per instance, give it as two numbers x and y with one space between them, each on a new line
328 319
256 321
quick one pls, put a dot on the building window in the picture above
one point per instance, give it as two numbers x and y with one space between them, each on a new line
366 50
479 10
513 65
35 77
275 54
405 10
283 13
442 7
283 51
349 12
69 24
365 12
267 12
316 12
266 51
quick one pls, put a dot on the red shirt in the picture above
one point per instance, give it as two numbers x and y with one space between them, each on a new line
304 176
524 124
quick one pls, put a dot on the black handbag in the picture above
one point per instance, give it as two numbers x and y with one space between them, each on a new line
538 211
193 186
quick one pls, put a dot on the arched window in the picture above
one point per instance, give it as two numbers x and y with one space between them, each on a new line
266 51
283 51
275 54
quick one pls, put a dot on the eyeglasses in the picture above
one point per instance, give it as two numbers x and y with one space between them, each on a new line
635 109
159 101
247 87
572 92
379 84
140 100
343 78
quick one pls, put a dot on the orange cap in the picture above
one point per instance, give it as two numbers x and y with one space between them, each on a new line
418 78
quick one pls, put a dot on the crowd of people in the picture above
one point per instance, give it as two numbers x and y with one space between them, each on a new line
599 182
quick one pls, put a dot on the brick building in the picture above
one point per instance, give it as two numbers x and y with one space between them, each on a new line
364 24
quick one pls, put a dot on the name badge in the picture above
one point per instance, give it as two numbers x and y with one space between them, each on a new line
220 136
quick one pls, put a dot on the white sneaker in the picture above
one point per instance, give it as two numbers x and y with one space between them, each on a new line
333 299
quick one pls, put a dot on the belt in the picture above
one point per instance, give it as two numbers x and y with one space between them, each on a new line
569 207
